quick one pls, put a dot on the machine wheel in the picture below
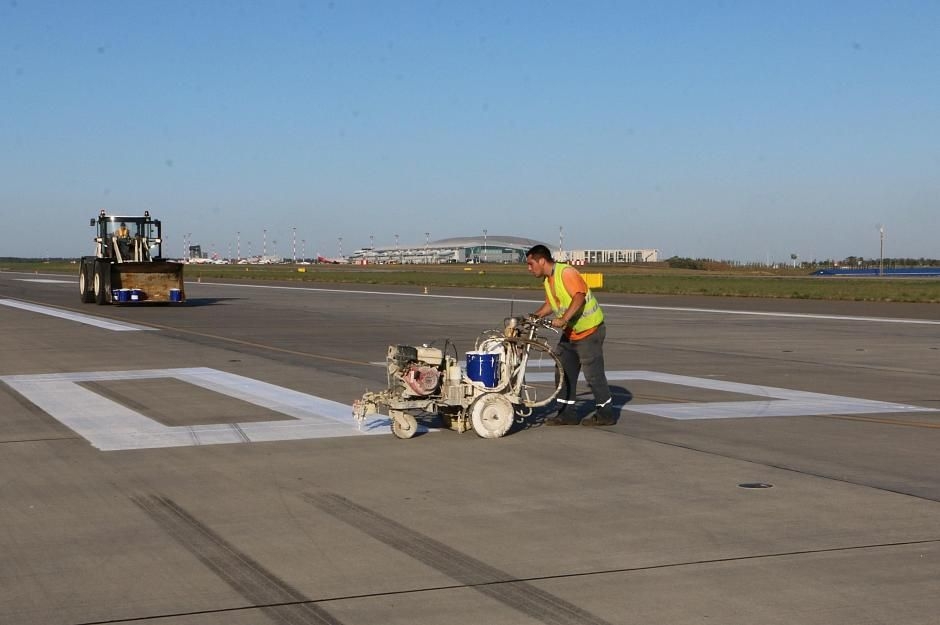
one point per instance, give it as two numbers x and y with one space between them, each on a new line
541 378
102 282
404 425
491 415
85 282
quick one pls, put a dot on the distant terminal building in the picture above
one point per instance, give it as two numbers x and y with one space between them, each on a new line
490 249
609 257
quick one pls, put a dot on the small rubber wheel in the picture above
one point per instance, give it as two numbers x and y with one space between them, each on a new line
404 425
491 415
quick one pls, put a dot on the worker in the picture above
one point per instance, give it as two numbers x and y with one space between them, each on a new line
123 236
581 345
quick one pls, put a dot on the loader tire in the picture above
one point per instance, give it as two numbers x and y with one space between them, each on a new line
86 282
102 282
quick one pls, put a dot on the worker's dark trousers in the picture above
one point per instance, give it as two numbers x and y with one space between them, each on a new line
586 354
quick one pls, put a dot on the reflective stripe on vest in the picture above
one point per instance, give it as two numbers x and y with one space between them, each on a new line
591 315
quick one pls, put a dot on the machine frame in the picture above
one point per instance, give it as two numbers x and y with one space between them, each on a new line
458 401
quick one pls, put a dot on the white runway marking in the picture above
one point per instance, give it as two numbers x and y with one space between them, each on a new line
45 281
107 324
754 313
110 426
773 402
536 302
715 311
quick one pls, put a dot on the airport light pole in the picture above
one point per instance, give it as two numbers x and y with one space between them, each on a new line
484 245
397 251
238 246
340 239
264 243
881 263
427 243
294 244
303 250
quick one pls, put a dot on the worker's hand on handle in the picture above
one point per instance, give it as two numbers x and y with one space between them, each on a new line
558 322
544 322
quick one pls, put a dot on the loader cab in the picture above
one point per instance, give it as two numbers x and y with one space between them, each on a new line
128 238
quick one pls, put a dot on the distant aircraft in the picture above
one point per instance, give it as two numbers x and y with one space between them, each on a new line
331 261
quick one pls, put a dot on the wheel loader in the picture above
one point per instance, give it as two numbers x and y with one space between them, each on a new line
128 265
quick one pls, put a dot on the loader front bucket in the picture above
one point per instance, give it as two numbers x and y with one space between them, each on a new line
156 281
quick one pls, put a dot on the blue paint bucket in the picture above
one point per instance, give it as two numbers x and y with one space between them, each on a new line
483 368
123 295
175 295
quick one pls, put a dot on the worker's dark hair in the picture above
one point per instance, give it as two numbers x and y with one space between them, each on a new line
540 251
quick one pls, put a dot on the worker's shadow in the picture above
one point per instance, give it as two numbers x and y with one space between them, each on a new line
207 301
621 397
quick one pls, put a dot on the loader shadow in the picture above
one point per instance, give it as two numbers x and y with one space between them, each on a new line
207 301
621 397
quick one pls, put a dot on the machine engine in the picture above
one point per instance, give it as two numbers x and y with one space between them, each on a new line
415 371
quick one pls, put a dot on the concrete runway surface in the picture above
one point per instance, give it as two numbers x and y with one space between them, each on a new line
199 465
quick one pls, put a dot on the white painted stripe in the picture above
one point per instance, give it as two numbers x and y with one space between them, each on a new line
42 281
107 324
110 426
715 311
755 313
773 402
604 305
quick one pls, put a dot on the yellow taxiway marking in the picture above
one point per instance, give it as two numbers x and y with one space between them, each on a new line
282 350
158 326
912 424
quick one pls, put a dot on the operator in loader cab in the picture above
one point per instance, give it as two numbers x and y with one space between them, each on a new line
123 236
581 345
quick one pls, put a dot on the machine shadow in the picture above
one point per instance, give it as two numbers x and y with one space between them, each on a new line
621 397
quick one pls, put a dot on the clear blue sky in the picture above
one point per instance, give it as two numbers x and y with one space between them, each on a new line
735 130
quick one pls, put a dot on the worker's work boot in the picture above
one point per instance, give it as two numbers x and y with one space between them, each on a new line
565 416
602 416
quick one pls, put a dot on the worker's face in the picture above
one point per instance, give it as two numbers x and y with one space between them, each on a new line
538 267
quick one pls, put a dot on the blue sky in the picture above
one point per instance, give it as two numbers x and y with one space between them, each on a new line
733 130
